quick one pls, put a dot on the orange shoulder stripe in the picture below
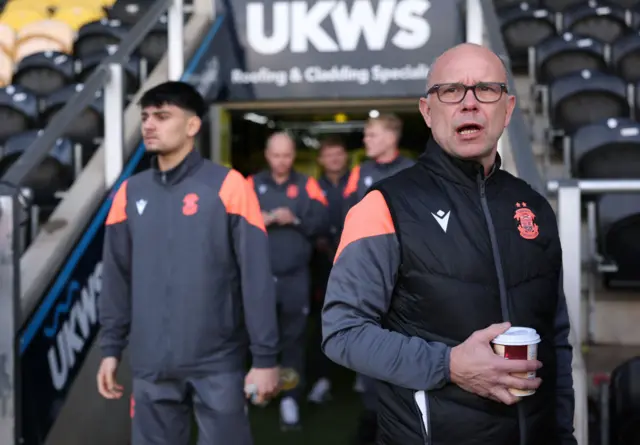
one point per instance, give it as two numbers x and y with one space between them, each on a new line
315 191
250 181
370 217
118 211
352 182
240 199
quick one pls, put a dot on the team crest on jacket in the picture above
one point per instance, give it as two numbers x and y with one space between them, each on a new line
526 221
292 191
190 206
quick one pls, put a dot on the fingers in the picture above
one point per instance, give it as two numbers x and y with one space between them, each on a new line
502 395
113 388
520 383
521 366
488 334
102 386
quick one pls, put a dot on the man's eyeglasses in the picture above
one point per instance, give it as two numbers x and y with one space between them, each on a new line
453 93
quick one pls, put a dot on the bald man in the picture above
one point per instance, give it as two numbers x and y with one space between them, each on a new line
295 211
436 262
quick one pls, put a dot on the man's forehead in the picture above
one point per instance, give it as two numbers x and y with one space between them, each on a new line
280 142
468 63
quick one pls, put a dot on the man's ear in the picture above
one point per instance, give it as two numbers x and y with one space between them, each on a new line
194 123
511 104
425 110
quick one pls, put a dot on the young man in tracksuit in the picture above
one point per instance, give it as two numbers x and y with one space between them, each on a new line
436 262
187 285
381 138
294 211
333 158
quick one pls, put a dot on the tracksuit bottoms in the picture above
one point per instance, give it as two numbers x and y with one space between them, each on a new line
293 300
162 410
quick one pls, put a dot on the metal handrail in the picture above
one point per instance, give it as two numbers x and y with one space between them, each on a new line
33 155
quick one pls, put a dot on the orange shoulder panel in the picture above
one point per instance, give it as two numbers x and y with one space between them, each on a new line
250 181
315 191
370 217
118 211
240 199
352 182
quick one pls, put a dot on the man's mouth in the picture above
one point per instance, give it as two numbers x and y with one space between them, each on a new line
469 129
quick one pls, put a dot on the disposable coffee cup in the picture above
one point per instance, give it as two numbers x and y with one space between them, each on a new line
518 343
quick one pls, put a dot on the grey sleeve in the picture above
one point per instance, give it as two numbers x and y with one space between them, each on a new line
314 220
565 402
114 304
251 250
358 296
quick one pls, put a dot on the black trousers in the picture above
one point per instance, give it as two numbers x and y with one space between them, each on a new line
320 365
293 298
162 411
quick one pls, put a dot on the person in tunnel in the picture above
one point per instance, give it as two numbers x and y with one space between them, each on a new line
333 158
437 261
294 211
187 285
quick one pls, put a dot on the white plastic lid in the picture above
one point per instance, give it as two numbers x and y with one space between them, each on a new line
518 336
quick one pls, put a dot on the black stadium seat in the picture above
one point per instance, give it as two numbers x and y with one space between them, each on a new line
154 45
44 73
132 68
560 5
18 111
88 126
618 225
522 27
586 97
607 150
54 174
558 56
625 57
624 406
95 36
605 23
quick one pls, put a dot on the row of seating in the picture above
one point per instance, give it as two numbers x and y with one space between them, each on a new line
47 43
524 26
21 111
560 55
559 5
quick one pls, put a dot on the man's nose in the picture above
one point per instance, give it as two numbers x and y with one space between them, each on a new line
469 102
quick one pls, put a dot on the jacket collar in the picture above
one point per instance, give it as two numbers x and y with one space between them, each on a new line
460 171
180 171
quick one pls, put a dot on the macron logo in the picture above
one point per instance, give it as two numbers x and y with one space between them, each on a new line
442 219
140 205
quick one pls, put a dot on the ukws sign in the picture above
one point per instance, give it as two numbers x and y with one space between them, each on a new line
317 49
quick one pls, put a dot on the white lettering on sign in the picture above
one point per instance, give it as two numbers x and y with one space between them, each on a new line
71 338
333 74
298 24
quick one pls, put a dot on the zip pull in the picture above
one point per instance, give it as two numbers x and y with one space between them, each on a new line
164 178
482 186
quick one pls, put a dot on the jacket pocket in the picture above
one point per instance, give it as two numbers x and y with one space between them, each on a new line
421 399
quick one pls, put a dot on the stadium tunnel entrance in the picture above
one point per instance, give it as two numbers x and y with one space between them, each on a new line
237 135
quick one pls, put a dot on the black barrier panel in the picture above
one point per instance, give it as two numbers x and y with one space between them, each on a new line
308 49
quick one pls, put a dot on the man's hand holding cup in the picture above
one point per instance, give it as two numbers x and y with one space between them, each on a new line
490 372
